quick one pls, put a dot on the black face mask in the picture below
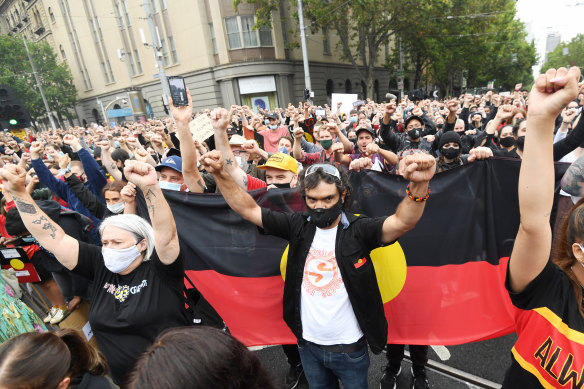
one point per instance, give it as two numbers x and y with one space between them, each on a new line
285 185
324 217
415 133
507 142
439 126
450 153
520 142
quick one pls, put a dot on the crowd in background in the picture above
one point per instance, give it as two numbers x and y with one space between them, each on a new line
80 177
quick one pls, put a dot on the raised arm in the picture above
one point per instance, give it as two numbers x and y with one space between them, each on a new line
182 115
46 231
418 169
531 251
107 160
573 180
95 178
166 243
220 119
237 198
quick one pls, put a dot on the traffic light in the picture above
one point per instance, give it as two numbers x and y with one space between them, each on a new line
13 114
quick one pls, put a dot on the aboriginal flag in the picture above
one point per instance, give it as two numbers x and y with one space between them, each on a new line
441 283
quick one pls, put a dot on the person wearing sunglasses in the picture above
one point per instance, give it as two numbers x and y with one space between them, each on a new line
331 298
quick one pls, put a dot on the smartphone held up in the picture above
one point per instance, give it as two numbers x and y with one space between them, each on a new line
178 91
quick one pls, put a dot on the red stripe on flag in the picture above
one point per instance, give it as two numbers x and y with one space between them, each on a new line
442 305
451 304
250 306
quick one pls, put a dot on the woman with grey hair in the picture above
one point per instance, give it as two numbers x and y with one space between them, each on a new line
137 274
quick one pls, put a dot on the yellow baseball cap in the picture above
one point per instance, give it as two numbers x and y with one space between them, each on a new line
281 161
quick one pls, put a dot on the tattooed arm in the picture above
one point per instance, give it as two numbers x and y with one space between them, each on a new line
573 180
46 231
220 119
144 176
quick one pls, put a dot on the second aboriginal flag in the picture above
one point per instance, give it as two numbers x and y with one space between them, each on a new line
442 282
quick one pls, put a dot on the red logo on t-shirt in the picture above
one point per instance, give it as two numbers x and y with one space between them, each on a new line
360 263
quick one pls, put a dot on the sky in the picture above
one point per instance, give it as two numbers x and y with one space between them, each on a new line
542 17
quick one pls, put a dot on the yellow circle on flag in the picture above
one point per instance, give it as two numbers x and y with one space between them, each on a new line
390 269
17 264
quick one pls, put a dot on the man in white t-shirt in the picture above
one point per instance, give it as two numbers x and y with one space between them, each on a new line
331 299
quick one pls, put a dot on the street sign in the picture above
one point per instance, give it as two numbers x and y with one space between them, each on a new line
118 113
400 73
400 85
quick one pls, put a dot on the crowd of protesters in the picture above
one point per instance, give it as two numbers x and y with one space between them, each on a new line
70 201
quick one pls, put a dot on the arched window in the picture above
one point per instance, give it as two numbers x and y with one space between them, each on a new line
62 52
364 89
348 86
330 86
376 91
51 15
95 115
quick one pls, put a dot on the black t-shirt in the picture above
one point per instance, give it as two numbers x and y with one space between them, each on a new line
550 347
127 312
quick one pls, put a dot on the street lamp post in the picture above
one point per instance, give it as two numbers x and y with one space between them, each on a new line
39 85
156 45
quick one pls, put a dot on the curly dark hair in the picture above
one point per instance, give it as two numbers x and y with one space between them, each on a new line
319 175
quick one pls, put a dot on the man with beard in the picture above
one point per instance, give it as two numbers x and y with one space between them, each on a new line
331 298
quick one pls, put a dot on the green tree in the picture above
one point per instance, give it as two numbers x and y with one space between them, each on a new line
448 39
55 77
363 27
574 57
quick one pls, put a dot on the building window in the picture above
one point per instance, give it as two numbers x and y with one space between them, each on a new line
233 36
164 52
132 65
348 86
51 15
119 16
250 37
109 69
173 53
213 40
107 79
138 63
240 29
266 37
154 5
62 52
126 13
326 46
84 80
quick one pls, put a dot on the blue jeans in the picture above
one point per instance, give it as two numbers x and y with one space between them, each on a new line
323 369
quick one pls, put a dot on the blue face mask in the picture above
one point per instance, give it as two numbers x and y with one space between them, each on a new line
354 119
273 126
28 239
283 150
169 185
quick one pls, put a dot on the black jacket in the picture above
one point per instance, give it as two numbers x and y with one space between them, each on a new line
356 237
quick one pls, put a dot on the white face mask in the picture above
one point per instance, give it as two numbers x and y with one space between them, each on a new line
116 208
169 185
118 260
242 162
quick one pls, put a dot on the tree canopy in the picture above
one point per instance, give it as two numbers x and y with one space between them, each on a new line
55 77
574 56
442 40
